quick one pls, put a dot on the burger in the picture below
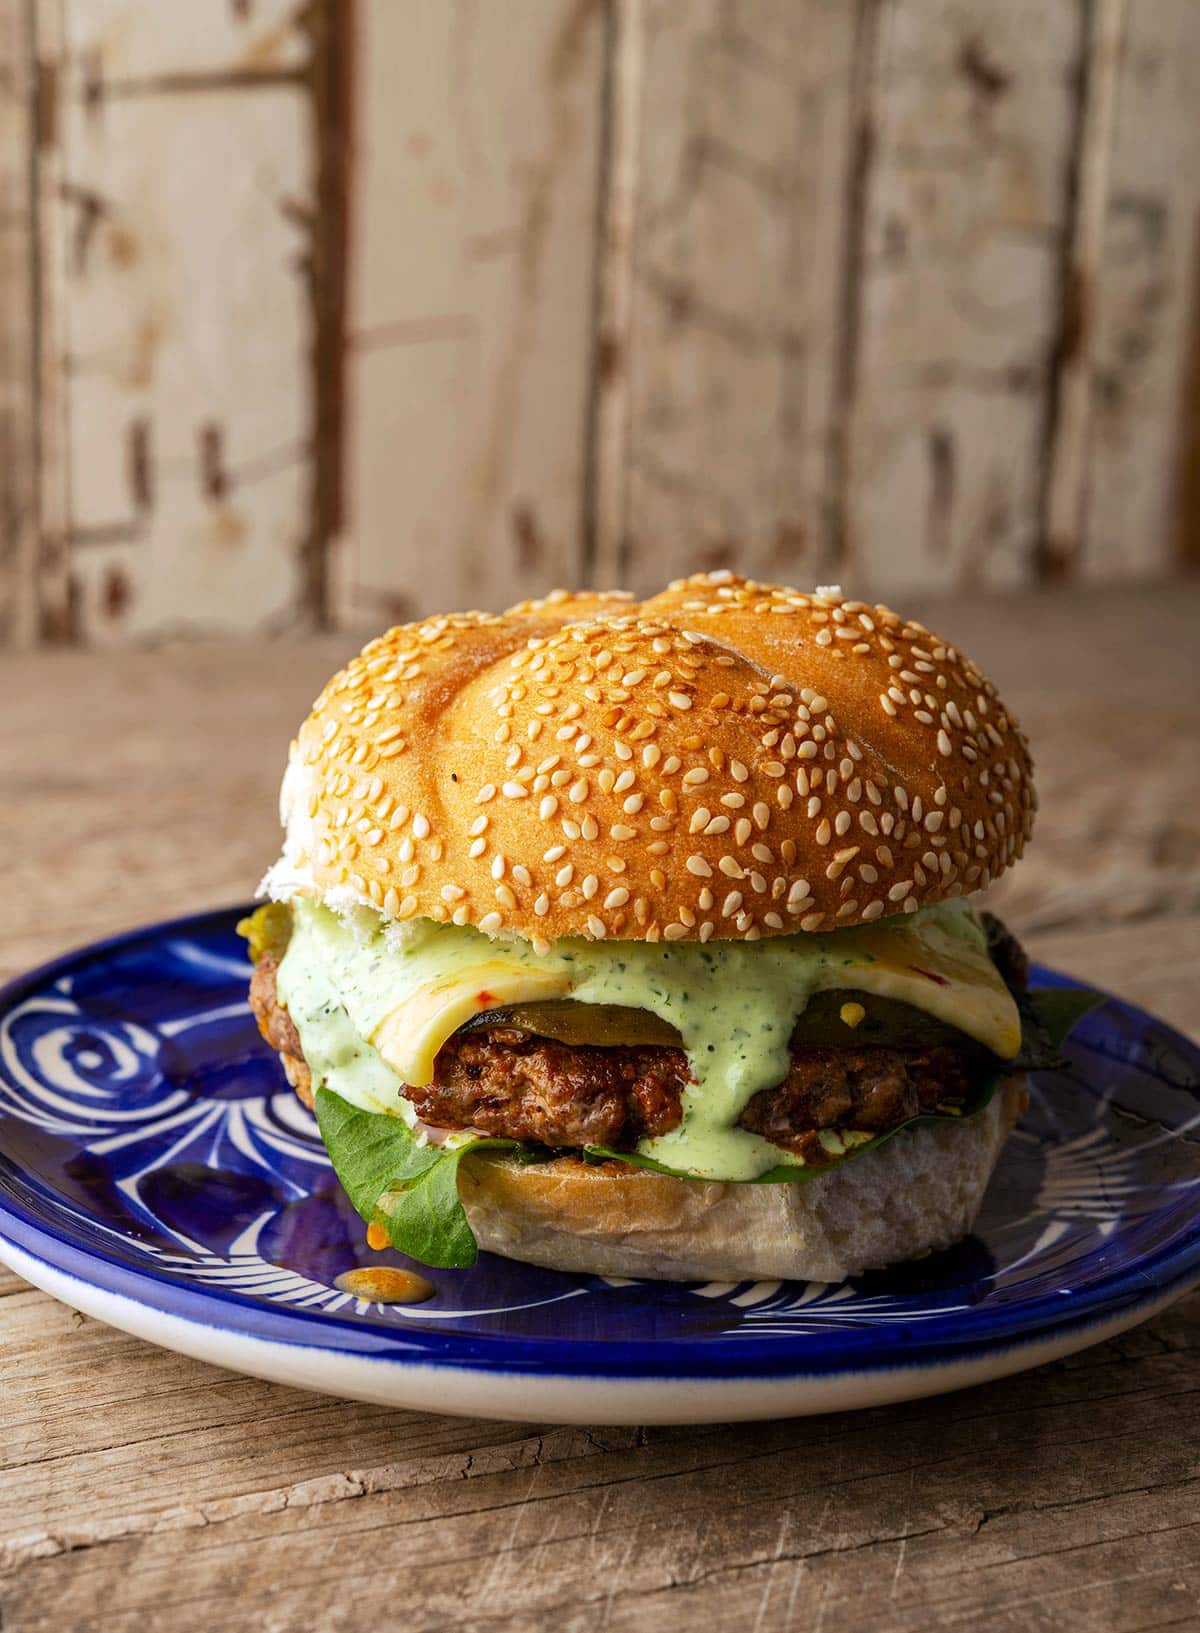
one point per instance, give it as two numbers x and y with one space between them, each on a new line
636 938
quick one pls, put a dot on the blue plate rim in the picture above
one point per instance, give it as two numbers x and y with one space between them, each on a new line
883 1347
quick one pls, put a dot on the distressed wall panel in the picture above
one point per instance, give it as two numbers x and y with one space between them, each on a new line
974 113
18 511
1145 304
185 181
473 230
121 44
730 334
905 292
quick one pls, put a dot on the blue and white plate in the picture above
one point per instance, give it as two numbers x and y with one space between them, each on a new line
157 1172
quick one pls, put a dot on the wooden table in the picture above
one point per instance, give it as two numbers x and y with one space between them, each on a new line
144 1491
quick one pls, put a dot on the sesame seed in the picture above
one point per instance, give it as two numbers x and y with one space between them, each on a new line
505 896
943 743
542 906
697 865
420 826
824 832
695 776
621 830
596 927
812 921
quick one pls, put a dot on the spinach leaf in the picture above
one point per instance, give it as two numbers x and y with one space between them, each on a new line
410 1189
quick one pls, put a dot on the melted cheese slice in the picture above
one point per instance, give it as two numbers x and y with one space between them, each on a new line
733 1002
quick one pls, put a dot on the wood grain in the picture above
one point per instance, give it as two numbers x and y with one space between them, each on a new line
966 205
317 314
18 510
728 355
477 148
143 1491
1143 304
186 320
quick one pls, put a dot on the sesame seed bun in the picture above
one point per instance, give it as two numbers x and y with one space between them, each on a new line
920 1191
727 759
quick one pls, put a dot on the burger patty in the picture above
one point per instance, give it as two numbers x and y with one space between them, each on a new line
278 1027
507 1082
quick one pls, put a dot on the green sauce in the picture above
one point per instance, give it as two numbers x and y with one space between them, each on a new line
733 1002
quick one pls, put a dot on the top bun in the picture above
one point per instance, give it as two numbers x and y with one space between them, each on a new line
727 759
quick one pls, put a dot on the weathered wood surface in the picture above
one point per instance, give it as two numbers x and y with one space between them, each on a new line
965 214
314 313
18 512
476 158
140 1491
725 358
183 180
1143 301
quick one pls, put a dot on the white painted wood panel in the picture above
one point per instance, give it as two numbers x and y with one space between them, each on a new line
473 232
732 336
1144 302
185 331
119 43
974 113
18 513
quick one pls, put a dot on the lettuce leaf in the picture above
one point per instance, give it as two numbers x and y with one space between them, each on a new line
411 1190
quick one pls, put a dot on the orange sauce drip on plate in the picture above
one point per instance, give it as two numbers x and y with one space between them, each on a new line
382 1284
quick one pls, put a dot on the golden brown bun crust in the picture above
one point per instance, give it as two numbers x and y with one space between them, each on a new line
726 759
920 1191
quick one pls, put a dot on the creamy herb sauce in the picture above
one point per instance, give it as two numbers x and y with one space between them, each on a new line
733 1002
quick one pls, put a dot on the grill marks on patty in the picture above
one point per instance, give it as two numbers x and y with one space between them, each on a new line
505 1081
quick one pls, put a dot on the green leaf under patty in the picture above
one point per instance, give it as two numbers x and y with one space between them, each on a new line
394 1181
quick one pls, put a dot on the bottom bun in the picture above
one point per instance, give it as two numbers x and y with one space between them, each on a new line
919 1191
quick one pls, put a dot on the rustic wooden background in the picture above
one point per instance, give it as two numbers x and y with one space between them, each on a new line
316 313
